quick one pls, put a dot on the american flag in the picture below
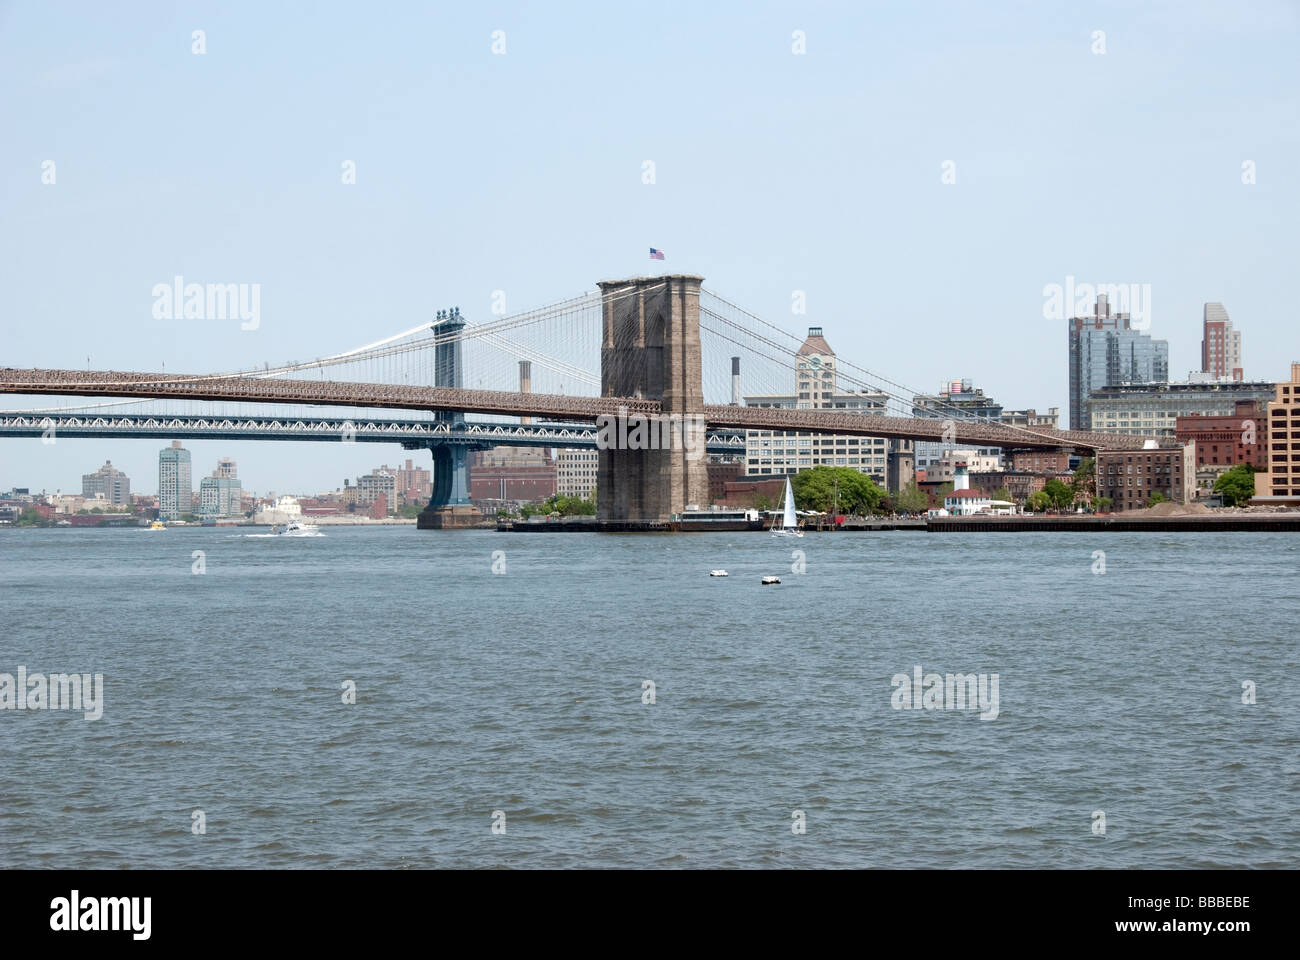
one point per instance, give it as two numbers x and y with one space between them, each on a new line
656 254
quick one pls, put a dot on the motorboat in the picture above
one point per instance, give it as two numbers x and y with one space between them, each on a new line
295 528
717 573
157 525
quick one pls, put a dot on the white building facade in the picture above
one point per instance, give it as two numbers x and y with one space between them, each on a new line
575 472
777 452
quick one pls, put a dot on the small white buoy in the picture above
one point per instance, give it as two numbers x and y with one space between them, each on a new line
717 573
768 581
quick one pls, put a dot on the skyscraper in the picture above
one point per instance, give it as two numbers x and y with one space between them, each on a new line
1220 345
1105 351
220 494
175 488
110 481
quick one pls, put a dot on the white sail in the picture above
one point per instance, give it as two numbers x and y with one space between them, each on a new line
789 525
791 522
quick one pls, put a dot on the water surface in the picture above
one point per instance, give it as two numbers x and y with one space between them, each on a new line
522 692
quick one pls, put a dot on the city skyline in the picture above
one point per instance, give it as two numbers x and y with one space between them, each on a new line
849 165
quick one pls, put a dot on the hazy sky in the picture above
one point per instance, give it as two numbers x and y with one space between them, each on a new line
774 172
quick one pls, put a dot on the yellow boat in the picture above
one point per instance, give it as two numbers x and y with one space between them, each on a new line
157 525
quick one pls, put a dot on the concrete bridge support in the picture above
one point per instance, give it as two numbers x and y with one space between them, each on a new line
651 348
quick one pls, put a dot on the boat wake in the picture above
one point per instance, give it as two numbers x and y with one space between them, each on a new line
278 536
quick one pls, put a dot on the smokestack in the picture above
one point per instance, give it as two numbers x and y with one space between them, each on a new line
735 381
525 383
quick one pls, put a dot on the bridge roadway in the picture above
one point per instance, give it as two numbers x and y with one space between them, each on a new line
556 407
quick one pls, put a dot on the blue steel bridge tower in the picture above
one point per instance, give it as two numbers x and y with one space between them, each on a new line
450 503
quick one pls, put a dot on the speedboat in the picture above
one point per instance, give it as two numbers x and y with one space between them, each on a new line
157 525
717 573
295 528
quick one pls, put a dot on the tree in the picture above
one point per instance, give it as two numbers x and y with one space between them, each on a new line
1102 504
1084 481
1039 501
1003 494
1156 497
564 506
1060 494
911 499
841 488
1237 484
30 518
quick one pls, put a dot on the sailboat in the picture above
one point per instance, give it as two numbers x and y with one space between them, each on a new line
789 523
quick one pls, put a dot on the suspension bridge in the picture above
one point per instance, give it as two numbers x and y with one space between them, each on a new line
642 350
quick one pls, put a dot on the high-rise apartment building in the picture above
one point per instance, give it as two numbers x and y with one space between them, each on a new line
380 481
1282 476
414 485
175 486
1220 345
220 497
786 452
109 481
220 494
1105 351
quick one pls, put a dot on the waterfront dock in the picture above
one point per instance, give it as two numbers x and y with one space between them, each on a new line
1106 523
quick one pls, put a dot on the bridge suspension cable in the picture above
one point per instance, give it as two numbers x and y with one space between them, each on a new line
903 399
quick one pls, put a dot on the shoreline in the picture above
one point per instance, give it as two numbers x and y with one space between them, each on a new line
1106 523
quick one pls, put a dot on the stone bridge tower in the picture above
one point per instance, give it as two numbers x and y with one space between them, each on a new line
650 348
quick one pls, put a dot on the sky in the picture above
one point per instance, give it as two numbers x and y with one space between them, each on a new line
1111 157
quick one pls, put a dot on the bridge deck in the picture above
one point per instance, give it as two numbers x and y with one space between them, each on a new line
254 389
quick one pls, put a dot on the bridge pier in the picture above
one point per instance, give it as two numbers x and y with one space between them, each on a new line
450 504
650 348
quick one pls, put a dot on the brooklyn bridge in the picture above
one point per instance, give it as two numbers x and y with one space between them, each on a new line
648 347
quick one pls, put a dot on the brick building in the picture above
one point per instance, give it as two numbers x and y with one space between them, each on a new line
720 473
747 493
513 484
1227 440
1041 461
1129 477
1021 485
